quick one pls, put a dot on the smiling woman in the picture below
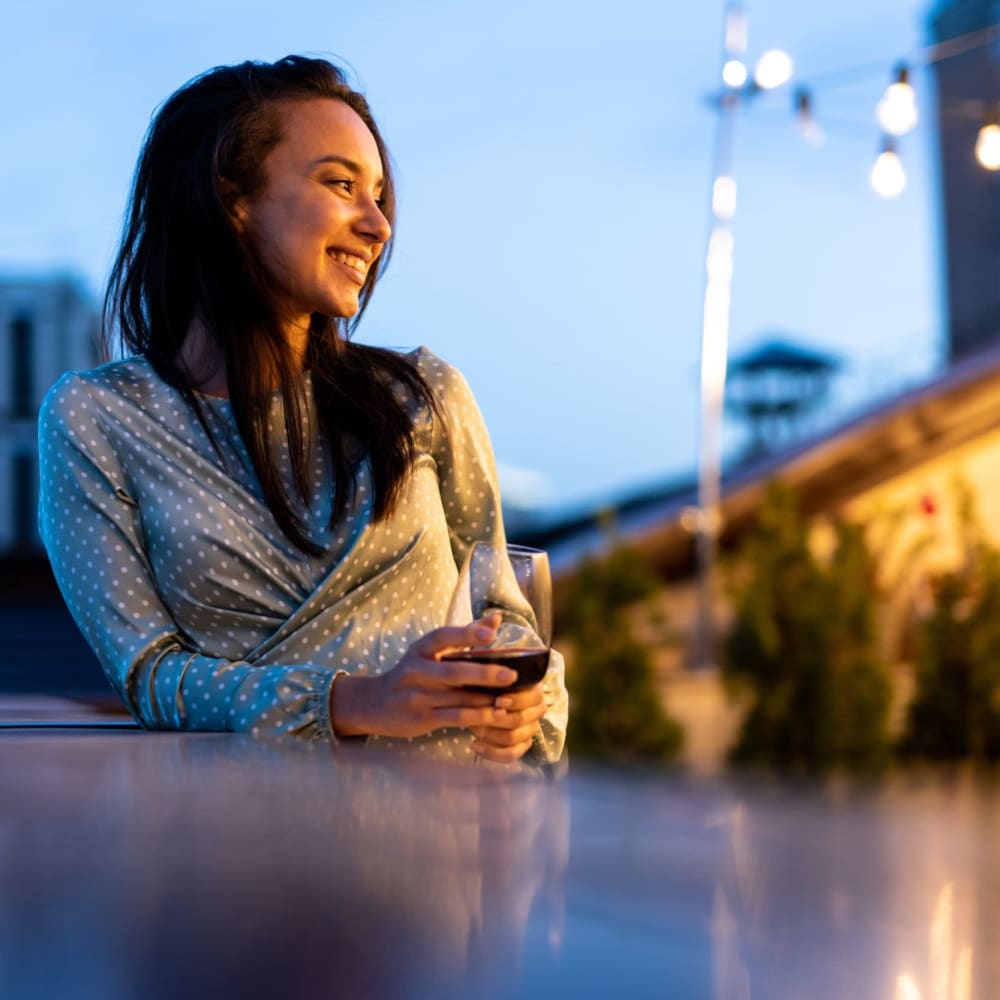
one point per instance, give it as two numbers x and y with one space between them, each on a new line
317 223
257 523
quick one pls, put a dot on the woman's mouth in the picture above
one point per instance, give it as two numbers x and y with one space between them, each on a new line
355 267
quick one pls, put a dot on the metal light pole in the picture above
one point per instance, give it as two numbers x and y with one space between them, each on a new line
773 69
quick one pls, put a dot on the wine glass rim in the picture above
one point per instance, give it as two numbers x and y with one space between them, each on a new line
525 549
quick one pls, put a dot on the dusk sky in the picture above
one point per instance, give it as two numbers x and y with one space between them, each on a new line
554 161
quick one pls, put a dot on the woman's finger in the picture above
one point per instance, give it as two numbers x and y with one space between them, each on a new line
500 737
463 673
502 755
520 700
450 697
466 717
513 719
454 637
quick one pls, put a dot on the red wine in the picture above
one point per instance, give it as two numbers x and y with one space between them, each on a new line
530 665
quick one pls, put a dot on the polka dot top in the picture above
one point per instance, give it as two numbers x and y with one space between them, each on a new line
203 614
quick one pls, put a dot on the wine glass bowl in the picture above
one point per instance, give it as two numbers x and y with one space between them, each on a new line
514 579
534 580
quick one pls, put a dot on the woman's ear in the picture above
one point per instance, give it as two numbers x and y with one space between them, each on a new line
236 204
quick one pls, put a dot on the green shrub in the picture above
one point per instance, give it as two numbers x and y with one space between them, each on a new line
956 709
616 709
803 646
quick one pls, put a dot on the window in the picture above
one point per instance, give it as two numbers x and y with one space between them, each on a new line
21 350
23 501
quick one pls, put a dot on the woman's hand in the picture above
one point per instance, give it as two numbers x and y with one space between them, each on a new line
424 693
509 737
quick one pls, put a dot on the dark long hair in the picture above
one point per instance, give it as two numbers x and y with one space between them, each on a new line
181 258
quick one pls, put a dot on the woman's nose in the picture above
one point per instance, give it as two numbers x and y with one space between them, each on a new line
374 224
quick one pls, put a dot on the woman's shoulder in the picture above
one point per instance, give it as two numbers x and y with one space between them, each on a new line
79 391
444 379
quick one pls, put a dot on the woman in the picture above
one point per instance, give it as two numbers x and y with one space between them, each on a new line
255 522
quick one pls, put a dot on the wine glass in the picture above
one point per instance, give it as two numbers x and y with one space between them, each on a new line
515 580
534 579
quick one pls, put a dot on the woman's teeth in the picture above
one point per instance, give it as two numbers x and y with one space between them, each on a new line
349 259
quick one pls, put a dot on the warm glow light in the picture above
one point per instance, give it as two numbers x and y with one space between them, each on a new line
897 111
988 146
734 73
942 937
720 256
774 69
724 197
736 30
888 177
962 980
715 326
906 988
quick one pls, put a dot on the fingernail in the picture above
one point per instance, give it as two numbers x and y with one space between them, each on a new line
503 702
483 633
507 676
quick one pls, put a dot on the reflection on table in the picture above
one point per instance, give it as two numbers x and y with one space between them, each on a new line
165 865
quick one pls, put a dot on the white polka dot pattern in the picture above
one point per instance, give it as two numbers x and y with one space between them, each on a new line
202 613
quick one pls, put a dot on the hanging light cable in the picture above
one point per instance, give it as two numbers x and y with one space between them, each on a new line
897 111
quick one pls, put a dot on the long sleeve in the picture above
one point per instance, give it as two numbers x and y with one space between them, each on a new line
470 495
91 526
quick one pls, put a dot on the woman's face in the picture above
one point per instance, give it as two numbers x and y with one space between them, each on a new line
316 224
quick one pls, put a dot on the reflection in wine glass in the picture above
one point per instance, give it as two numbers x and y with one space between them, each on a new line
504 577
534 579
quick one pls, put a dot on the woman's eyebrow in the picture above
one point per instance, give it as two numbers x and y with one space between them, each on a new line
347 163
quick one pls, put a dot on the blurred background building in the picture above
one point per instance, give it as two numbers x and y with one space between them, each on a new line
968 94
50 324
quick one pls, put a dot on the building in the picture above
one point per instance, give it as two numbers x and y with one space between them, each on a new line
49 324
968 90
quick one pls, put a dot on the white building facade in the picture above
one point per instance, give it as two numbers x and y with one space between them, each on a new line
48 324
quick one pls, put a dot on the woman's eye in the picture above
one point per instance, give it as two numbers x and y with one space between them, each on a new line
343 183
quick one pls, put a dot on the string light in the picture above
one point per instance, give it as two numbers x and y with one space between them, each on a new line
811 130
724 197
897 111
773 69
988 143
734 73
888 177
736 29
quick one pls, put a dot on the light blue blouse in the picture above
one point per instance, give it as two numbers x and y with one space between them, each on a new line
203 614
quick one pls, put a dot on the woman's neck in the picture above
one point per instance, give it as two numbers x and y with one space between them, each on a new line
203 363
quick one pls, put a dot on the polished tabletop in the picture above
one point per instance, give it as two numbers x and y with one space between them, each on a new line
155 865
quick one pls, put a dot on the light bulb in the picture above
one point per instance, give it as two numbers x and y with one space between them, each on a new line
724 197
734 73
988 146
888 177
736 29
810 129
897 111
773 69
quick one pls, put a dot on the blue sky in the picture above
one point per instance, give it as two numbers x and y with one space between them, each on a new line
554 161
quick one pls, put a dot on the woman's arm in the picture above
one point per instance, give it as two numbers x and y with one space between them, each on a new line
91 528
